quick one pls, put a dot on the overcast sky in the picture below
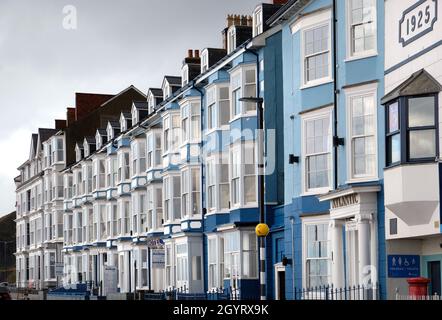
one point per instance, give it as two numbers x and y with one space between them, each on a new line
117 43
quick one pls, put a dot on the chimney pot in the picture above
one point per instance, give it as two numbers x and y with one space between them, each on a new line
190 53
197 53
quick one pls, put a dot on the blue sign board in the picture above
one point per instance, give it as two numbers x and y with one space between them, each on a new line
403 266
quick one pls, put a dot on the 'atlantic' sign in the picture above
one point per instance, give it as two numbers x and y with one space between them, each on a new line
417 21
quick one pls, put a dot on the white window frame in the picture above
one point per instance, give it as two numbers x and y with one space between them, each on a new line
348 26
241 148
231 39
185 75
369 90
204 61
240 72
134 114
309 221
315 21
258 23
313 115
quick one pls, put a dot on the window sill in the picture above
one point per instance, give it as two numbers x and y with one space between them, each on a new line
366 55
316 192
244 115
316 83
362 180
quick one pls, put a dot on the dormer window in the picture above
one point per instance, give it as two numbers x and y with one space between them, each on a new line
134 115
151 103
185 75
86 149
98 140
110 132
204 61
78 153
231 40
123 123
166 91
257 22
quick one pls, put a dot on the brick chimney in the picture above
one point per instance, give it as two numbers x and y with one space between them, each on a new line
60 124
280 1
70 116
193 57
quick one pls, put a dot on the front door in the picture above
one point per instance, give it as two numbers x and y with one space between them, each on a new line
434 275
281 287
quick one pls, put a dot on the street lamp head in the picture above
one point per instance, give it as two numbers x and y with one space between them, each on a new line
251 99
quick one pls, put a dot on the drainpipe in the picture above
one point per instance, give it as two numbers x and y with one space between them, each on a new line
292 226
203 209
336 140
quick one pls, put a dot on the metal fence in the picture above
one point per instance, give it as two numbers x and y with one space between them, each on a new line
183 293
359 292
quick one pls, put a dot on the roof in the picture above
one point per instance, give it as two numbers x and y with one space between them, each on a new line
287 10
140 104
34 142
126 115
102 132
156 92
420 82
173 80
90 140
45 134
114 123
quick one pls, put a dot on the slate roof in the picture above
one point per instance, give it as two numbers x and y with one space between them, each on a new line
173 80
141 104
156 92
420 82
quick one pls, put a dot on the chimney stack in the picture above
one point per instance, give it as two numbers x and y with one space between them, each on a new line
70 116
60 124
280 2
229 20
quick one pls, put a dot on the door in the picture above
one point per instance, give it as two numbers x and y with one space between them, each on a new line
434 275
281 285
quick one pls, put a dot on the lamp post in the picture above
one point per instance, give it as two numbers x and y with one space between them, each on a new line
262 230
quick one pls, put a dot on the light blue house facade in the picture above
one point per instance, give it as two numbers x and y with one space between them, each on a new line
333 147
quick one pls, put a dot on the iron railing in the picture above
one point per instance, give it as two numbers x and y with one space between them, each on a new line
328 292
182 293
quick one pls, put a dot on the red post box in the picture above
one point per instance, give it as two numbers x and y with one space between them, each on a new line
418 287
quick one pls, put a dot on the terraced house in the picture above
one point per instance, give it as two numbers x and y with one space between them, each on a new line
146 192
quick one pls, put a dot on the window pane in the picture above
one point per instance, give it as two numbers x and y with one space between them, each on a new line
394 143
393 117
422 144
421 112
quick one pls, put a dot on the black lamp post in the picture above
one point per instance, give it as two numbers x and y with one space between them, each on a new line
262 229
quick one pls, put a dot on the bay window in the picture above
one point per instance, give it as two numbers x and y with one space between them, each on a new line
257 22
316 54
249 254
190 192
68 186
169 265
182 274
243 84
138 157
243 174
218 102
78 227
124 219
362 121
190 122
317 143
316 255
185 193
111 172
99 175
171 132
103 219
211 185
411 129
213 281
57 150
362 26
172 198
153 150
232 257
123 167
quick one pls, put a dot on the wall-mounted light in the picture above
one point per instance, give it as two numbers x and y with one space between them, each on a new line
286 261
293 159
338 141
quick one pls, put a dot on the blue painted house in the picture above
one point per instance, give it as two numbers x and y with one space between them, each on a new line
333 147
